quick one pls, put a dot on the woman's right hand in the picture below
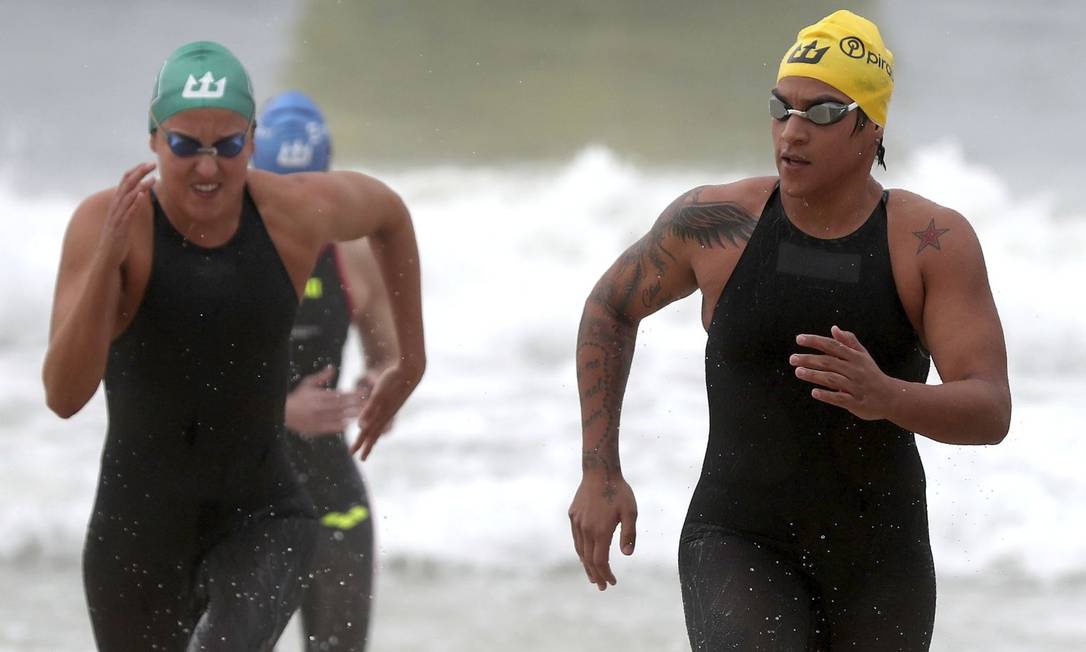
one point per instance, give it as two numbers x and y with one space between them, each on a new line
113 241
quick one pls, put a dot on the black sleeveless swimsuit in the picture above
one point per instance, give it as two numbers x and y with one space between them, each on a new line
200 529
804 514
336 607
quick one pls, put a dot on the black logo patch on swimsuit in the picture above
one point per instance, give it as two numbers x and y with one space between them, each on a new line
816 263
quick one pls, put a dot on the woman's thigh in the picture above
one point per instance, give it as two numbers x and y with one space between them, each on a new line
742 595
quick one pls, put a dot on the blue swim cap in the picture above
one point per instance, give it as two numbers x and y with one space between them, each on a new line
291 136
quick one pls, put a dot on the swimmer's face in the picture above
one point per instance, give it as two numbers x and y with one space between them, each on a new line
203 187
811 157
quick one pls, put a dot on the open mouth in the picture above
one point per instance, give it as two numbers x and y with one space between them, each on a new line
792 159
205 189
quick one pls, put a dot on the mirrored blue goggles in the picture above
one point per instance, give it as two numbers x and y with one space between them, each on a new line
187 146
824 113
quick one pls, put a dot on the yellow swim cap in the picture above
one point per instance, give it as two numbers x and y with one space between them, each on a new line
845 51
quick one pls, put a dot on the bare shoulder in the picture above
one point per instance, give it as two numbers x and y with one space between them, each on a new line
910 209
918 223
92 210
318 201
90 215
282 192
749 194
84 229
289 203
317 187
717 215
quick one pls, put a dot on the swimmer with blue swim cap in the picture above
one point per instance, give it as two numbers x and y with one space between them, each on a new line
179 293
292 136
344 289
824 298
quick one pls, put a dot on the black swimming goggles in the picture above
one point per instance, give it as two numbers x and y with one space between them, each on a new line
823 113
187 146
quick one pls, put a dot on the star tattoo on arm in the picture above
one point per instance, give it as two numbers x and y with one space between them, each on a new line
929 237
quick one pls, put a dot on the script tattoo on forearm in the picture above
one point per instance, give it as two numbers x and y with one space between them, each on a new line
605 346
606 338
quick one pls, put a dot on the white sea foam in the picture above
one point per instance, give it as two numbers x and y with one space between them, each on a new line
484 460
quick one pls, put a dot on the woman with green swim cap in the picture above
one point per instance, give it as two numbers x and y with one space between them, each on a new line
180 294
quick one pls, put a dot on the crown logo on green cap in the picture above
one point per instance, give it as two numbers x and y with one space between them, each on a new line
210 88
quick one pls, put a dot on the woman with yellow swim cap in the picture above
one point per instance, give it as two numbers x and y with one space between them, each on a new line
824 298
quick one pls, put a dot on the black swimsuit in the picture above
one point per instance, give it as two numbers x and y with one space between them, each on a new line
200 532
808 527
336 607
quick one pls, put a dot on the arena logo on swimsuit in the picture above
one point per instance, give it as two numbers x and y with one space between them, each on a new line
314 288
210 88
345 520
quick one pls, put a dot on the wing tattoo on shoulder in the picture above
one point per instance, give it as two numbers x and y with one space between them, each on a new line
713 224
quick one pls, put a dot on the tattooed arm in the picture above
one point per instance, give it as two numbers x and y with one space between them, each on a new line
654 272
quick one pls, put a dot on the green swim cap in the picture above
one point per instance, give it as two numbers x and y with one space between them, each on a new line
198 75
